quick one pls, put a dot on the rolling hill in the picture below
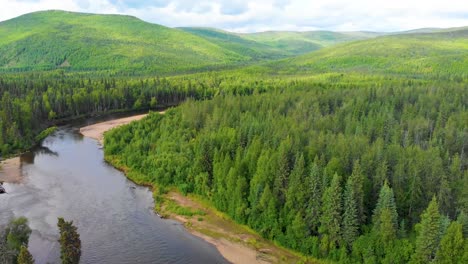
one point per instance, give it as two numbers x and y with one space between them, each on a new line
54 39
237 43
303 42
441 53
277 43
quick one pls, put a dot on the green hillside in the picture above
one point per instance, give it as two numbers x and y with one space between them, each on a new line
303 42
275 44
238 44
444 53
54 39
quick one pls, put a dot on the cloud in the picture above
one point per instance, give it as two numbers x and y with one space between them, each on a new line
260 15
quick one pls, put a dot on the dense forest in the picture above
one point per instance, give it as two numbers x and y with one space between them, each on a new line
353 174
31 102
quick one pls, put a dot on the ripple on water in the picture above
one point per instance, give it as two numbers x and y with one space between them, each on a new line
66 176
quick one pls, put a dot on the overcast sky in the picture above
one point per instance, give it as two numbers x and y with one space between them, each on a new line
262 15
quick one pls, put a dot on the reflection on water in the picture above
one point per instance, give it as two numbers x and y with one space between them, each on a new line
66 176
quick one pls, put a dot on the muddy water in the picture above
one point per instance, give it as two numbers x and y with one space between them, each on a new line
67 176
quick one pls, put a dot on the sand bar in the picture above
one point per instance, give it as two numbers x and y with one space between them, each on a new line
97 130
10 170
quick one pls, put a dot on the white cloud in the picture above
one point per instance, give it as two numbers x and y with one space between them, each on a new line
261 15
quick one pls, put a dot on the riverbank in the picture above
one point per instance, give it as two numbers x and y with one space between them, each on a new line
97 130
10 170
237 243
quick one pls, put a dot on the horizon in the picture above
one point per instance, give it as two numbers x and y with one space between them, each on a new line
234 32
246 16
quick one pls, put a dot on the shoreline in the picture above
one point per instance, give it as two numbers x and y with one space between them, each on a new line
96 131
10 170
236 243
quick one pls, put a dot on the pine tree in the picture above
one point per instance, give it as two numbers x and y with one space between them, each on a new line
428 238
350 223
451 246
331 213
24 256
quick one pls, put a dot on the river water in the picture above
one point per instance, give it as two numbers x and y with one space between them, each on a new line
67 176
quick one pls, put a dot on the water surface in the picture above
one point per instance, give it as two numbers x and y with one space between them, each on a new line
66 176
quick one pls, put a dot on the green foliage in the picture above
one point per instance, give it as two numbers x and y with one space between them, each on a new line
13 238
350 225
452 245
70 243
269 160
45 133
429 234
24 256
330 221
87 42
18 233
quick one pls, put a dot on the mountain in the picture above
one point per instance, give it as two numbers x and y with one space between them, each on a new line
303 42
238 44
55 39
277 43
443 53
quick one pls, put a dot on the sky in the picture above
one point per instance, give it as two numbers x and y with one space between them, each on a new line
264 15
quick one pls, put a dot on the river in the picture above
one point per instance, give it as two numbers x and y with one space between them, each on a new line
66 176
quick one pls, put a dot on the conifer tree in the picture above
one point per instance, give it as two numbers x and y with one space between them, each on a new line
70 243
386 202
24 256
452 245
350 223
428 238
330 220
358 189
315 199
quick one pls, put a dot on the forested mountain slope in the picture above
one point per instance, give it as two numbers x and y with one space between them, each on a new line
58 39
431 54
303 42
237 43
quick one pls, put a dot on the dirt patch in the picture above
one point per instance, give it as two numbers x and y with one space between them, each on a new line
96 131
10 170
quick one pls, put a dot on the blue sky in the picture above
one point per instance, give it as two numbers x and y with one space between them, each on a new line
263 15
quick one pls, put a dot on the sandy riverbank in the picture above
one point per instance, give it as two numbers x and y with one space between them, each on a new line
97 130
10 170
233 241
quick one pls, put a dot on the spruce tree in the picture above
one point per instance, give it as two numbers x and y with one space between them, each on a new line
330 220
386 202
428 238
350 223
315 199
358 188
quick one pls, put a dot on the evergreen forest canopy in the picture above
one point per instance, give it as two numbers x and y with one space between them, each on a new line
356 152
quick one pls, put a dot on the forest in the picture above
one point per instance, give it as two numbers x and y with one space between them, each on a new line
355 174
354 153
